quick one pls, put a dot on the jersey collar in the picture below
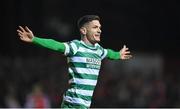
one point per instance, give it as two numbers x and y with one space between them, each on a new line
89 46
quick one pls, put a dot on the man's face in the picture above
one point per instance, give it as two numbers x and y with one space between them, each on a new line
93 31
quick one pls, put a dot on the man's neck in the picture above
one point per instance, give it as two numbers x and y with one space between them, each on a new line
86 41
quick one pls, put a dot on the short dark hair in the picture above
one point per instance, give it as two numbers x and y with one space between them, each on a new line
86 19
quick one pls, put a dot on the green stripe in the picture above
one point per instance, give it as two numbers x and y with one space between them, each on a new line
75 95
71 50
68 105
81 86
77 64
83 65
82 76
90 55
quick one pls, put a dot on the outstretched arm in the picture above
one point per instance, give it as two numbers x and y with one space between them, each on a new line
26 35
122 54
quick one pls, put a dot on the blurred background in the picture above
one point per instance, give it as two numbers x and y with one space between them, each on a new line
150 28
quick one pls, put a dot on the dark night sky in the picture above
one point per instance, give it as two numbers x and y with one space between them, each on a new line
144 25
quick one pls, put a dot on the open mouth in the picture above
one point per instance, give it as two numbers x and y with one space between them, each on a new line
97 35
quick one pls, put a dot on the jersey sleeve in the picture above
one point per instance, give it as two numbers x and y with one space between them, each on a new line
104 53
49 43
111 54
101 51
71 48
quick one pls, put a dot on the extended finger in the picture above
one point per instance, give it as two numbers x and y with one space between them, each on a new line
126 48
20 35
127 52
19 31
22 29
22 38
27 29
128 56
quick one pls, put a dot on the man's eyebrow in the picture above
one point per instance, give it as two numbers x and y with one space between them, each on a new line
97 25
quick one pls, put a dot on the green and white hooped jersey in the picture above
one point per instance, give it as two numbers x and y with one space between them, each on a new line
84 64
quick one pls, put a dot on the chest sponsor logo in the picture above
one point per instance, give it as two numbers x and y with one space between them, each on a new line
93 61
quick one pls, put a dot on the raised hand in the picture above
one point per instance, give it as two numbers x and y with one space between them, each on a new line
124 53
25 34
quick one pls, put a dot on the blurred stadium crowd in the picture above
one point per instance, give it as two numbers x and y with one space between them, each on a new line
40 82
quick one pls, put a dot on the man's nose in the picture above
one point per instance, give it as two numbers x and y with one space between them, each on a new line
99 30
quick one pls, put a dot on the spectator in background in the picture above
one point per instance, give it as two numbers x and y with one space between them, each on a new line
37 98
11 100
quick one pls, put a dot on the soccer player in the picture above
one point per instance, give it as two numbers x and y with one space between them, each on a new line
84 59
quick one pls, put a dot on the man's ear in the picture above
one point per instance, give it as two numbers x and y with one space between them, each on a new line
83 30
